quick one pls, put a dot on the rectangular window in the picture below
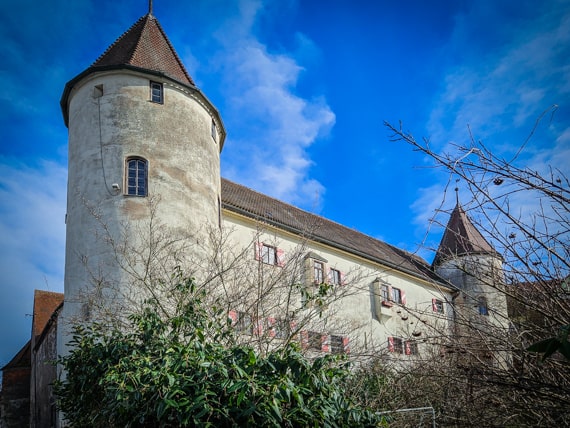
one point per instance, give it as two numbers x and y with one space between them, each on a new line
268 254
156 92
400 346
244 323
411 347
315 341
335 276
482 306
396 345
385 290
437 305
214 131
396 295
281 328
338 344
318 272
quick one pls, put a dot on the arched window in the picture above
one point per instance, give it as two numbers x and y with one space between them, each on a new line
482 305
137 171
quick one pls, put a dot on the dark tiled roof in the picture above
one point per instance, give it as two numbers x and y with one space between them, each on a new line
461 237
255 205
145 45
22 359
45 304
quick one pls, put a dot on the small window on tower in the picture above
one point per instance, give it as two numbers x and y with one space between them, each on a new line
136 177
156 92
214 131
482 306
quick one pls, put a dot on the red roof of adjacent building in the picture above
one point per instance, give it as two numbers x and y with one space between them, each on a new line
21 359
45 304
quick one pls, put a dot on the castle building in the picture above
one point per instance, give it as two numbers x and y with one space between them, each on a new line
144 149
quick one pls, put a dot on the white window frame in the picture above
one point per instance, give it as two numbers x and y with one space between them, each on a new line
318 272
396 295
136 176
156 92
268 254
335 276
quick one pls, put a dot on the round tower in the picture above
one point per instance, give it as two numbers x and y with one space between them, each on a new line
467 261
144 158
470 264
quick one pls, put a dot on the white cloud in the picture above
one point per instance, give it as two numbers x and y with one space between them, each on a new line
499 95
280 124
32 227
508 87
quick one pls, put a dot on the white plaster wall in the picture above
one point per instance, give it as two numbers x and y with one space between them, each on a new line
478 275
183 172
355 314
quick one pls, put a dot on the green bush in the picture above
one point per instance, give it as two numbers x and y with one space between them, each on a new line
174 371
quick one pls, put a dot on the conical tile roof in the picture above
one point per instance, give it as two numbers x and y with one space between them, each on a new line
145 45
461 238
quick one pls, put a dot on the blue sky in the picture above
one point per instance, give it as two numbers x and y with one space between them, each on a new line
304 88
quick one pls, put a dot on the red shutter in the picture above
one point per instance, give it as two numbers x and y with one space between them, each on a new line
258 327
408 348
325 343
434 305
390 293
345 345
234 316
258 246
280 257
304 339
390 344
271 326
403 295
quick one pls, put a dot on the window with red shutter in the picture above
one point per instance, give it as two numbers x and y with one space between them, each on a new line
269 254
437 305
325 343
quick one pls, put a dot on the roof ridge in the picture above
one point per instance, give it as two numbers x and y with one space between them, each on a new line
151 16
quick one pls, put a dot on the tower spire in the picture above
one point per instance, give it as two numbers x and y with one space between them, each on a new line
150 7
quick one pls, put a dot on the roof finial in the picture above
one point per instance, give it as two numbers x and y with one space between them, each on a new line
457 192
150 7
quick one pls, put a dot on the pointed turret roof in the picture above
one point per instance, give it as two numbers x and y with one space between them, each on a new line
145 45
461 238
